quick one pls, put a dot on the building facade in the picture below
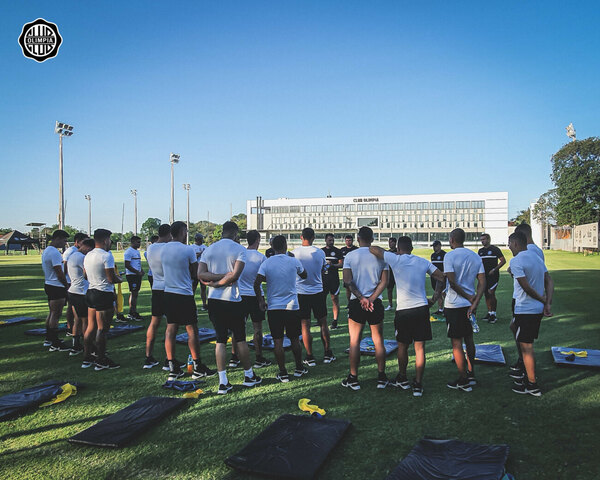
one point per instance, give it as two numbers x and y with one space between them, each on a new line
424 218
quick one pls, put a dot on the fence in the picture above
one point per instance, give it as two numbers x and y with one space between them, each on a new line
581 238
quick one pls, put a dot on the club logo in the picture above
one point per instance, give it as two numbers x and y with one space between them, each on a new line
40 40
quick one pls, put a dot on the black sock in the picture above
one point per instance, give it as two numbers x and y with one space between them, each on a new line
52 334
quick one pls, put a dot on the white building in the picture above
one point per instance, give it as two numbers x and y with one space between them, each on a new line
422 217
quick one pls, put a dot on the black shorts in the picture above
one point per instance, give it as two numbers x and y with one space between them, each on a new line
99 300
316 302
457 322
434 283
150 281
512 307
527 326
227 316
55 293
79 304
412 324
358 315
284 319
158 303
180 309
251 309
491 281
135 282
331 283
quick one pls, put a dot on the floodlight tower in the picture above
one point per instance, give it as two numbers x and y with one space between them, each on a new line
186 187
89 199
63 130
174 159
134 193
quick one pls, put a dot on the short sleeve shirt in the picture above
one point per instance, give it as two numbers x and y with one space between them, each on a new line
176 258
79 284
153 255
199 250
149 269
527 264
346 250
68 252
96 263
281 272
51 258
334 257
466 265
220 258
134 258
254 259
438 260
410 273
366 270
313 261
490 257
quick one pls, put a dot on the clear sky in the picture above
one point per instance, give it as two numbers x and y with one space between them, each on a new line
289 99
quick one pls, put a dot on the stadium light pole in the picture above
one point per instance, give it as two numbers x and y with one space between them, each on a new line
134 193
174 159
63 130
186 187
89 199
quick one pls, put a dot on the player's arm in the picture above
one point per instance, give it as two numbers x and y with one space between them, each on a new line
381 286
349 283
230 277
549 289
131 269
451 276
303 274
261 299
529 290
60 274
205 276
112 276
479 293
194 270
440 282
377 251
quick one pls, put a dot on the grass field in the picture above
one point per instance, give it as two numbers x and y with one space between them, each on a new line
552 437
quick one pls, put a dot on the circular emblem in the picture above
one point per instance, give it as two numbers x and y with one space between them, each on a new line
439 257
40 40
489 252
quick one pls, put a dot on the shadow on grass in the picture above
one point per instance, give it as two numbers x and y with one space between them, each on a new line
46 428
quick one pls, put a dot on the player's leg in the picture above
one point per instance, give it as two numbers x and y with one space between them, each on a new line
419 361
103 319
89 336
377 337
355 331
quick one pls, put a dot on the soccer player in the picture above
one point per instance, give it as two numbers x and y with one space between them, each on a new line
462 267
153 256
280 271
77 291
199 248
250 302
366 277
412 307
77 239
220 268
179 265
534 289
391 280
99 266
55 286
493 260
437 259
150 275
134 274
331 276
270 251
518 367
349 247
311 297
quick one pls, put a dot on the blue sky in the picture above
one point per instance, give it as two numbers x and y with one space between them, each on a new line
289 99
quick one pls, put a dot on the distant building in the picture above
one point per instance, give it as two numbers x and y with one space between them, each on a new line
424 218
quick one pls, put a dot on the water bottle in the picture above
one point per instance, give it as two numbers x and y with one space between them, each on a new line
474 323
190 364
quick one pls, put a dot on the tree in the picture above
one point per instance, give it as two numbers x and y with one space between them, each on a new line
4 231
67 228
544 210
217 234
524 216
576 174
241 221
150 227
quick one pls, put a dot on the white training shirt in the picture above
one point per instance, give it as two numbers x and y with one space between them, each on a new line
281 272
149 269
133 256
532 247
527 264
366 270
51 258
410 273
95 263
220 258
176 259
466 265
153 255
254 260
79 283
65 256
313 261
198 250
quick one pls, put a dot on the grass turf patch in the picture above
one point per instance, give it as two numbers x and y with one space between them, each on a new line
554 436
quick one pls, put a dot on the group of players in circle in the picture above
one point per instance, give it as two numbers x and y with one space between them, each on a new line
298 283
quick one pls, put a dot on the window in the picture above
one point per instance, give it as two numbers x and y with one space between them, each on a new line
367 221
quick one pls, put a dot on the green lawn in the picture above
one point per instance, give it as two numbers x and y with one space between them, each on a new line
555 436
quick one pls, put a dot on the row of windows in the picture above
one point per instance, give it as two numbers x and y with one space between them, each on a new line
369 207
415 236
373 223
451 217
